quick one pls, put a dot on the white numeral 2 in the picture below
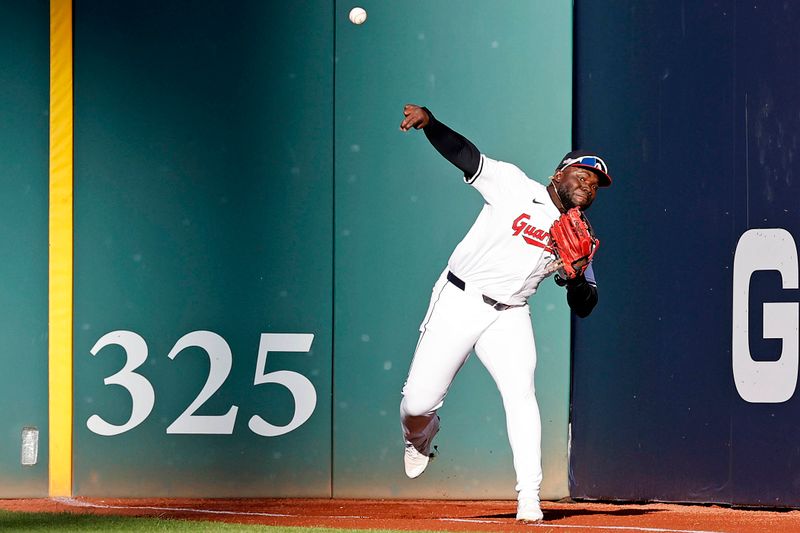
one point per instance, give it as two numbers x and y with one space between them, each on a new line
221 358
219 353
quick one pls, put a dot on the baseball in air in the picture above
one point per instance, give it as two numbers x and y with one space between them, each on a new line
358 15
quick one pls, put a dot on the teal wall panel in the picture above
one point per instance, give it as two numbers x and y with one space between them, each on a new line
203 201
500 73
24 100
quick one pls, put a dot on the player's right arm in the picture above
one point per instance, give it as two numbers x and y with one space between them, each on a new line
452 145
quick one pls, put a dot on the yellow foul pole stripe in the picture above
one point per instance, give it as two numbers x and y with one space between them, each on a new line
60 306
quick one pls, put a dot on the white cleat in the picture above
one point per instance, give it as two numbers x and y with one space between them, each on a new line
528 510
416 462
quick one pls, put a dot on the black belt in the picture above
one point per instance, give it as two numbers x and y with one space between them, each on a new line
458 282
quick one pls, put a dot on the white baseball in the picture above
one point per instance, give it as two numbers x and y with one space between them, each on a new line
357 15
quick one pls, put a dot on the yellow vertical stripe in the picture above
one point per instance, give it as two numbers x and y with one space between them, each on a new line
60 306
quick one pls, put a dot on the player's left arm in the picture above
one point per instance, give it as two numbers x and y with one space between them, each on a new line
582 292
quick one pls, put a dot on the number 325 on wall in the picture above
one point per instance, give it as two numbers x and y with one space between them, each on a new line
143 396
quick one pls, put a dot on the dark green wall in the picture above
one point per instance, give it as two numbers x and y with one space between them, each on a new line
203 178
500 73
24 101
239 172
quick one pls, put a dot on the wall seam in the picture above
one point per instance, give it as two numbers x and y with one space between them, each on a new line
333 250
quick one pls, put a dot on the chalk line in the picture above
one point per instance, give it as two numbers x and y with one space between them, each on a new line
78 503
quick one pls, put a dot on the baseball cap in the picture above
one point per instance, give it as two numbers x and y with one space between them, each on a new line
590 160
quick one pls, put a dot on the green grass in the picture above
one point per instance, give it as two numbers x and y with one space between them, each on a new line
81 523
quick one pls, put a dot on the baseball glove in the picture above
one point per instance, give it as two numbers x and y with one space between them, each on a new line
574 242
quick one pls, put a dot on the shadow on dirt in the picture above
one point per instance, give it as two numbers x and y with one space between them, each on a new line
557 514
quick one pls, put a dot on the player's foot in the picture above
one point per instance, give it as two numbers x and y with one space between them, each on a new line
528 510
416 462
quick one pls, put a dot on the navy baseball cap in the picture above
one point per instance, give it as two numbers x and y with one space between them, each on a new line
589 160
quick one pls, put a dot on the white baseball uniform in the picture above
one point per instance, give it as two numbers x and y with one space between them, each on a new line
503 258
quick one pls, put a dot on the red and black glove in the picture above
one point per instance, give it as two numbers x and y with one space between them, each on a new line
574 242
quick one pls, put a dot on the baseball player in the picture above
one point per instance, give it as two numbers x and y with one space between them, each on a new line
480 300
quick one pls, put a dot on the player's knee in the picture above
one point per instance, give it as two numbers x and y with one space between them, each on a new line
523 393
416 405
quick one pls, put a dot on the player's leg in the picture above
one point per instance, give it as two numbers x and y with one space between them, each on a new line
447 335
508 351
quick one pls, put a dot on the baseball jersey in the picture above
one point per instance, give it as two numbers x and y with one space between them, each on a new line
507 250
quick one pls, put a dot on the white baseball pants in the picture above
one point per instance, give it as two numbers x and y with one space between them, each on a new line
456 322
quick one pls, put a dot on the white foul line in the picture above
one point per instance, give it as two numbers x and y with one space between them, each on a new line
574 526
77 503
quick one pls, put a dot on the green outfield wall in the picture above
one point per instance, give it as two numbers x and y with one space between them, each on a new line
255 240
203 185
24 68
502 77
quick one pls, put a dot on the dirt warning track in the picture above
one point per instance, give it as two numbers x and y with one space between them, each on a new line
436 515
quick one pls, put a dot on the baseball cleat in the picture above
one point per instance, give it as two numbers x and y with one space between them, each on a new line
415 462
528 510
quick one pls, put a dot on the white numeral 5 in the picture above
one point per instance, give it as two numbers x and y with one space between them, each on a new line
305 397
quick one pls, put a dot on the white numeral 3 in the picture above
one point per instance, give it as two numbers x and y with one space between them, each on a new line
142 395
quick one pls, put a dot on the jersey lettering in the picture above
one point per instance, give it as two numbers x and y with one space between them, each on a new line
532 235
